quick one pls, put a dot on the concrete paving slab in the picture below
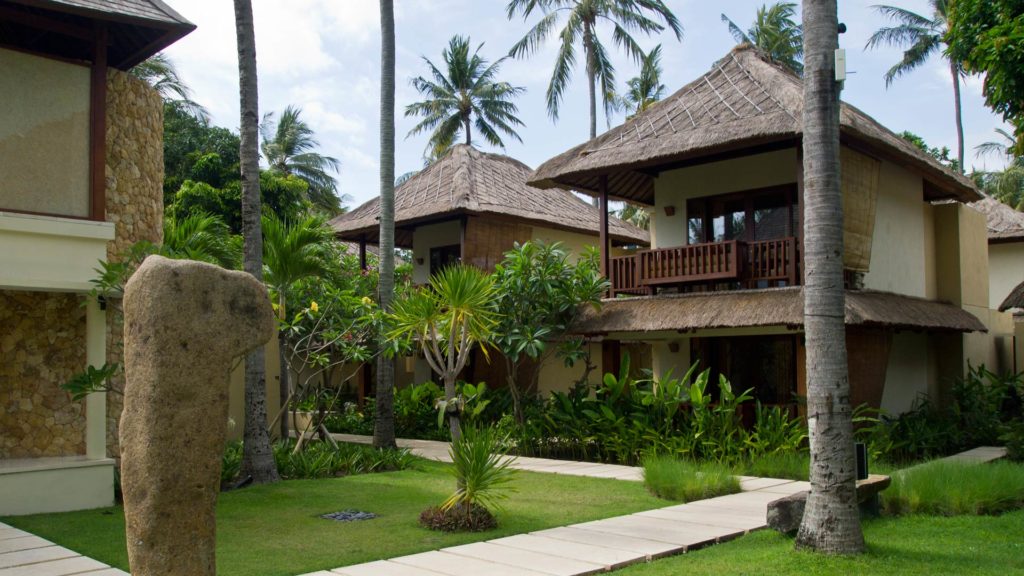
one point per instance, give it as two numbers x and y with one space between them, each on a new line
382 568
649 548
113 572
456 565
554 565
684 536
23 543
709 518
34 556
7 532
787 489
609 558
759 483
979 455
64 567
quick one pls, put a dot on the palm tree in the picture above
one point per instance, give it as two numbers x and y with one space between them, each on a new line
447 319
159 72
463 96
257 456
581 25
289 146
645 89
201 237
384 421
776 33
831 521
1004 148
1006 185
921 37
292 251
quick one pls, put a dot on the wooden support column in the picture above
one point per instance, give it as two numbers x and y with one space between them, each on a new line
98 126
799 216
603 227
362 252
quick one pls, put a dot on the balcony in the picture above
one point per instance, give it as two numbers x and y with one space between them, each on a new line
713 265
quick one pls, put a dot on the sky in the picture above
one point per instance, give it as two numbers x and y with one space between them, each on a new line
324 57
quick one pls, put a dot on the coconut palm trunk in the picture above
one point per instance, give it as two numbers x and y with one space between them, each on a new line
257 456
831 521
955 70
588 47
384 423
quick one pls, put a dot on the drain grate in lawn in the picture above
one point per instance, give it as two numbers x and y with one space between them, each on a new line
348 516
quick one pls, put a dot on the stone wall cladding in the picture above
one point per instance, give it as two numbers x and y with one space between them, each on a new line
43 345
135 175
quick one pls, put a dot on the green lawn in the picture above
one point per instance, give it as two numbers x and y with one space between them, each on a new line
274 530
924 545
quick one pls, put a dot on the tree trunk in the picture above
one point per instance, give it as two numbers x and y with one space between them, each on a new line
955 70
511 381
469 134
384 422
588 49
454 420
257 456
285 388
831 521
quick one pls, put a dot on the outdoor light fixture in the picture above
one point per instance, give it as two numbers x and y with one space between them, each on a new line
673 347
420 261
670 210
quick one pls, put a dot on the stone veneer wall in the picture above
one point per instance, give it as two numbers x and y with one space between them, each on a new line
43 344
135 175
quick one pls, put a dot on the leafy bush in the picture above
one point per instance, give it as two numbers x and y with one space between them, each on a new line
478 519
482 473
321 460
685 481
231 465
952 488
1013 438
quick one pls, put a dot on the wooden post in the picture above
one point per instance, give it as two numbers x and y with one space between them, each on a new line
603 227
98 126
799 224
362 253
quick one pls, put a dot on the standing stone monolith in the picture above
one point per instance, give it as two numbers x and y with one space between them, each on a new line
185 323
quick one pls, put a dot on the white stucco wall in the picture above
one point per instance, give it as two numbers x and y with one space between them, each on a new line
1006 270
556 376
675 187
898 255
431 236
665 362
908 372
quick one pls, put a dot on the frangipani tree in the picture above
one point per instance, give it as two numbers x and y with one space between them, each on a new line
457 311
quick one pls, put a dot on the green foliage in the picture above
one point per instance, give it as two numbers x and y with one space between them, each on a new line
1013 438
645 89
940 154
289 147
684 481
949 488
465 94
481 470
322 460
282 195
189 140
776 33
231 464
92 380
200 237
987 37
795 465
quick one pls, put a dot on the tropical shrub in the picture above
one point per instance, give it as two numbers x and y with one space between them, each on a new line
231 464
949 488
321 460
684 480
794 465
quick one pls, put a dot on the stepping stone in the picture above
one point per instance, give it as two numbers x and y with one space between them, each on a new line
455 565
609 558
75 565
34 556
23 543
378 568
649 548
555 565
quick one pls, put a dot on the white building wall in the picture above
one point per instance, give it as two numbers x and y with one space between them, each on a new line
908 372
431 236
1006 270
898 253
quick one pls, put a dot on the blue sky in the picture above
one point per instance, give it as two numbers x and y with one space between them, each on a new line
323 56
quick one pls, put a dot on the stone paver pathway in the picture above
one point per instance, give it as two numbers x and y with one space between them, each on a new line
22 554
979 455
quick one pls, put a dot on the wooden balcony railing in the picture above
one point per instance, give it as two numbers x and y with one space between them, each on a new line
746 263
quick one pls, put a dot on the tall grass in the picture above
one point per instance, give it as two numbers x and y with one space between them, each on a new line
794 465
952 488
685 481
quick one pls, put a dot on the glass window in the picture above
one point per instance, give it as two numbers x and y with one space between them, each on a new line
728 220
771 216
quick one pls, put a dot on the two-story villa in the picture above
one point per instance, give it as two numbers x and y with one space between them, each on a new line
719 162
81 174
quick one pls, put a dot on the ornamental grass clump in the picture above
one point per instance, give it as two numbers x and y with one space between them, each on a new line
483 479
949 488
685 481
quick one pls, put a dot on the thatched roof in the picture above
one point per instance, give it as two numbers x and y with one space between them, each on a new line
744 103
468 181
770 307
137 29
1014 300
1004 223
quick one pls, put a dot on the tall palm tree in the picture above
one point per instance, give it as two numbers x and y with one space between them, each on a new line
201 237
831 521
645 89
776 33
159 72
292 251
257 456
1006 185
582 18
289 147
384 421
920 37
464 95
1004 148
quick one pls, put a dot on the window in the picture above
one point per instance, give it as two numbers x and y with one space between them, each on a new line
443 256
765 363
767 214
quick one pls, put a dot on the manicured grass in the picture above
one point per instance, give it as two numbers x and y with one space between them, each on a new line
685 481
951 488
275 530
909 545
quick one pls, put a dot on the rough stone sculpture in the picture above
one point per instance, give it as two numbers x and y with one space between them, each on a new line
185 325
